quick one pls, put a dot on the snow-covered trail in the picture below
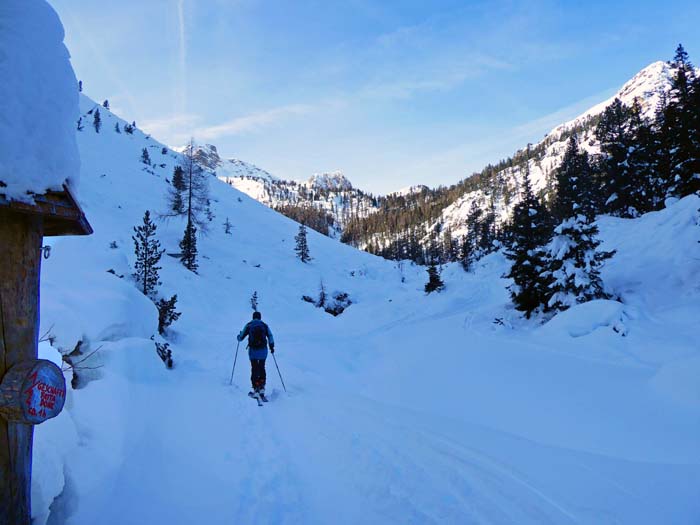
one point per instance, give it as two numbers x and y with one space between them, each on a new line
200 451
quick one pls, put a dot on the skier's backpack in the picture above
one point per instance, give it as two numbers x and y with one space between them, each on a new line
258 336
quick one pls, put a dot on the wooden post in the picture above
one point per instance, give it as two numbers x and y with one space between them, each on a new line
21 238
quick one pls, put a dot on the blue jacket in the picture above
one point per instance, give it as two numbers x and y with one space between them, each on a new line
257 353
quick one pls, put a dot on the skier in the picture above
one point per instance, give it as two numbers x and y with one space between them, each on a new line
259 335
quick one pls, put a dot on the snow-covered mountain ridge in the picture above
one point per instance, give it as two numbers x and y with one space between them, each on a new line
331 193
646 87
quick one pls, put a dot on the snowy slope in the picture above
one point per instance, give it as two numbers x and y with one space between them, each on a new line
404 409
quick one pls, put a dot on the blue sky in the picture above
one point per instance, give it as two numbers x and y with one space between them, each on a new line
391 93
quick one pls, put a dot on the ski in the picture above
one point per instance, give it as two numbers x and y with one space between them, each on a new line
251 394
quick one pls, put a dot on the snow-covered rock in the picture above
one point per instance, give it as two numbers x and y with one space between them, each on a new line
38 102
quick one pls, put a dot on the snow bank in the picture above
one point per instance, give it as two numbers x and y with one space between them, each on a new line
583 319
38 102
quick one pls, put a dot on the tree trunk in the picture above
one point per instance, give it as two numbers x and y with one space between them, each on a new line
20 243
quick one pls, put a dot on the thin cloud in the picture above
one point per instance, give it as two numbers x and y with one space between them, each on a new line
253 122
178 128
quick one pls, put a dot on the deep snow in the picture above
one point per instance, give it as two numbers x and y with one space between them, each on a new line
38 102
406 408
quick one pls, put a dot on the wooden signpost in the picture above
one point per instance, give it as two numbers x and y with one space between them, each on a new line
31 390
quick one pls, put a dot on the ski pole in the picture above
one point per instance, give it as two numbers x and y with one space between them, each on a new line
234 363
278 371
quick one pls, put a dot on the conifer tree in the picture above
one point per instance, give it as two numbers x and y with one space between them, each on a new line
97 120
148 254
302 247
188 245
575 187
645 190
573 263
529 232
615 139
105 104
254 301
116 128
175 192
466 254
190 182
145 157
434 283
227 227
682 116
81 127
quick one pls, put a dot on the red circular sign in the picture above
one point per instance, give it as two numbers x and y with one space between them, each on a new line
43 392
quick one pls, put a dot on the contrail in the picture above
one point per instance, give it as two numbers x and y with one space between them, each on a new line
182 95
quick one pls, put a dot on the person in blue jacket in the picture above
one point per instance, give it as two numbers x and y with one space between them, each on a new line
259 336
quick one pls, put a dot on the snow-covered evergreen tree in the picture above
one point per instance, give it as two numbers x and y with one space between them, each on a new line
682 116
615 143
148 254
145 157
529 232
302 247
116 128
573 260
227 227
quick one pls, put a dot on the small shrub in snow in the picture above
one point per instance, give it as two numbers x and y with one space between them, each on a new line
116 128
227 227
321 303
97 121
145 157
254 301
165 353
434 283
167 314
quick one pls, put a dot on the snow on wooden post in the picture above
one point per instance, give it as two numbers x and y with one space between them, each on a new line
31 390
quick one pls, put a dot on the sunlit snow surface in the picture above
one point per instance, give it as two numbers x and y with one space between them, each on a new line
38 102
405 409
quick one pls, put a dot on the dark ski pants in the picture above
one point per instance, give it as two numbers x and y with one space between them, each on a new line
257 373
